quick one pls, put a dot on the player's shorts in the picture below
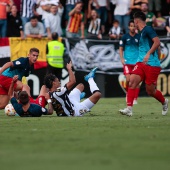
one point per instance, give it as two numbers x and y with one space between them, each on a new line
5 83
147 72
128 68
80 108
40 100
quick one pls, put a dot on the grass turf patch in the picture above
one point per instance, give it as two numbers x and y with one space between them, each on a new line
102 139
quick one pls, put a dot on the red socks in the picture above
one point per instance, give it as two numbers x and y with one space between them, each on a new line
130 96
136 93
158 96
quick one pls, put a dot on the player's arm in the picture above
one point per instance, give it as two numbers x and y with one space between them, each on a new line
11 88
49 101
72 78
5 66
121 55
121 50
156 44
159 52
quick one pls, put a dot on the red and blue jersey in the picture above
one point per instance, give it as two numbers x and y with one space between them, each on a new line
21 68
145 44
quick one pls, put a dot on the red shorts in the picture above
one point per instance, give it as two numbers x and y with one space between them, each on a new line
147 73
5 83
40 100
128 68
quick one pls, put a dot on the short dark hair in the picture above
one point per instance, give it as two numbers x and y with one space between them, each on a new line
55 36
140 15
23 97
115 21
33 17
34 50
131 21
48 80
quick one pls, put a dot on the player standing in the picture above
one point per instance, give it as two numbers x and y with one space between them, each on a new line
148 66
129 51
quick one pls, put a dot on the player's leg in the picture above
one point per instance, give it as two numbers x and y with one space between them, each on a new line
137 90
74 95
41 99
134 81
135 78
4 100
18 86
96 94
5 83
151 79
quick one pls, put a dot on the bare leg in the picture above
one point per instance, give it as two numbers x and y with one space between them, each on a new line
4 100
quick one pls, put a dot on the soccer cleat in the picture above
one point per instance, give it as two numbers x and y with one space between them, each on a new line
126 112
91 74
165 107
135 101
82 95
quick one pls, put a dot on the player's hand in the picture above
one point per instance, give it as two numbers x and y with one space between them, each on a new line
47 96
146 58
15 78
123 61
69 66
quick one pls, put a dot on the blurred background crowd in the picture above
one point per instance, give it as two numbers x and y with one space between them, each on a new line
79 18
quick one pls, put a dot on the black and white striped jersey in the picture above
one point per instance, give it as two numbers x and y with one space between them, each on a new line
61 103
27 8
94 26
72 2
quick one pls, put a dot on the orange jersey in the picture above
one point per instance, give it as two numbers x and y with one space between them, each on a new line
74 22
3 4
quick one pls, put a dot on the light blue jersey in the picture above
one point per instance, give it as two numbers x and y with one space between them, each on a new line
130 45
145 44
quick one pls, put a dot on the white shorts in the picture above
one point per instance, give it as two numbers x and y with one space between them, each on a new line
79 107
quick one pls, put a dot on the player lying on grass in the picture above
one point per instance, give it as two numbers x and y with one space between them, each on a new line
21 67
30 108
69 104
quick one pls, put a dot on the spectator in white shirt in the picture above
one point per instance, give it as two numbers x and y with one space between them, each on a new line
122 13
115 31
53 20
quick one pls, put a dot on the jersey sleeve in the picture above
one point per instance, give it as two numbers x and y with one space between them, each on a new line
122 41
16 106
151 32
19 63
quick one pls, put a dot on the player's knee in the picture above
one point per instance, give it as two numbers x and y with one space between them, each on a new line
2 106
97 94
150 92
80 87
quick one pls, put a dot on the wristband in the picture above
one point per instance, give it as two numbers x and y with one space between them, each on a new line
49 101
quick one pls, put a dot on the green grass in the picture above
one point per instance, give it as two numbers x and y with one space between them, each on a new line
101 140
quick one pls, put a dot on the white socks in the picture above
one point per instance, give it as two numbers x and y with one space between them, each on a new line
93 85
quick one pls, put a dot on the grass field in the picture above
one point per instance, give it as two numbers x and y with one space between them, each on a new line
101 140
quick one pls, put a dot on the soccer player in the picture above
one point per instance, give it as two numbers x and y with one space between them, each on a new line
26 107
148 66
21 67
68 104
129 51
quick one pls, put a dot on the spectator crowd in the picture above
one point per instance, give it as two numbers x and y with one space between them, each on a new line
78 18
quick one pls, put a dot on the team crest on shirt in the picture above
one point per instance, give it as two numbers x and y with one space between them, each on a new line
122 82
17 62
136 40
